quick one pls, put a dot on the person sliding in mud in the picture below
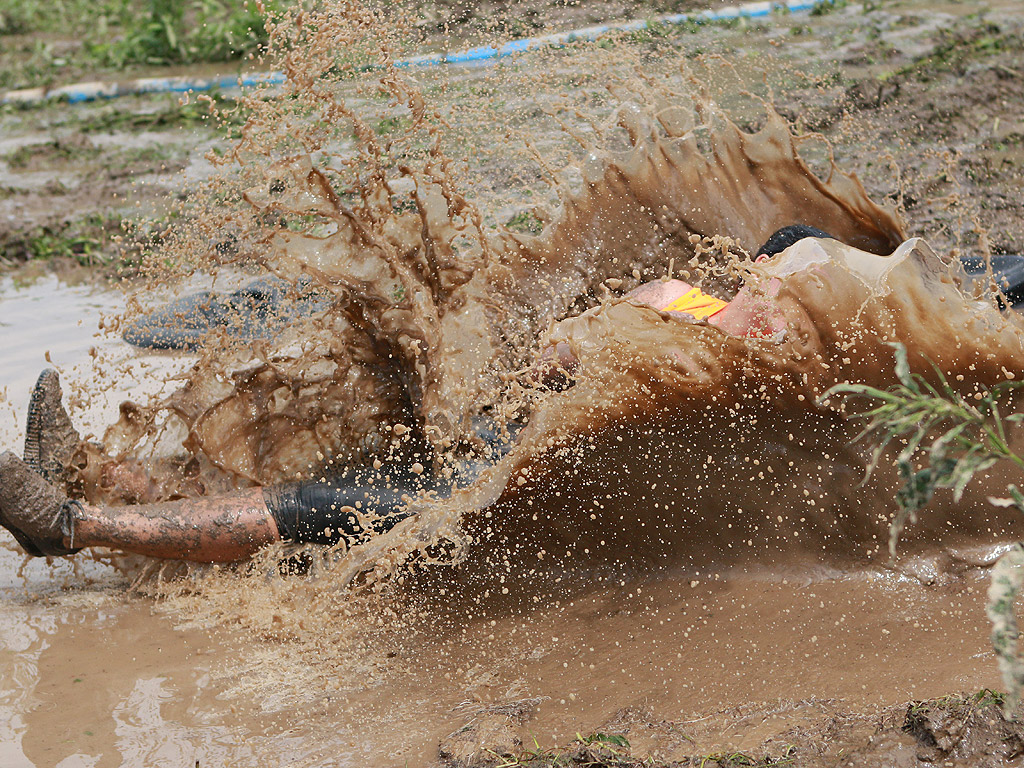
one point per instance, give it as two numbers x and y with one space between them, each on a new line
348 509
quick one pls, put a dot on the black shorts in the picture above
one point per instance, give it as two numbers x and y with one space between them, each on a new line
358 503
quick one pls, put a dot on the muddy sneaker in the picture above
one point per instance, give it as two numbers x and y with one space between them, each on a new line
35 512
50 438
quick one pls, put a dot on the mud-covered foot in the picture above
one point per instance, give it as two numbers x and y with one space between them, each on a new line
50 438
34 511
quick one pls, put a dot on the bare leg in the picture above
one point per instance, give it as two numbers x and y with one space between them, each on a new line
208 530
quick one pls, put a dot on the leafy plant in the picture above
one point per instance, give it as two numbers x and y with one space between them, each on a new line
68 36
57 150
1007 579
737 759
84 240
171 112
526 222
823 7
389 125
965 436
20 17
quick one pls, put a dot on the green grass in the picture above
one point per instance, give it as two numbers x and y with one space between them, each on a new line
954 51
85 241
824 7
525 222
172 32
980 699
40 41
392 125
171 114
23 17
737 759
597 749
49 153
82 155
946 438
603 750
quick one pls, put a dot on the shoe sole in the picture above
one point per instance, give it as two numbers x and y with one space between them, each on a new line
34 426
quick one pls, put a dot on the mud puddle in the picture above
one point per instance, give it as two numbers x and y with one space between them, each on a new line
46 322
93 679
686 649
734 661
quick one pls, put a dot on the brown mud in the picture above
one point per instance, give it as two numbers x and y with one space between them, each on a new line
787 664
678 549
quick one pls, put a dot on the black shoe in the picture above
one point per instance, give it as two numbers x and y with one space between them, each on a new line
36 513
50 438
259 310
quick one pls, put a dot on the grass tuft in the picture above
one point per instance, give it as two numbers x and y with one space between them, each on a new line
525 222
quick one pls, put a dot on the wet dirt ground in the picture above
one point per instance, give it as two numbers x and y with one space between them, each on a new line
760 664
813 667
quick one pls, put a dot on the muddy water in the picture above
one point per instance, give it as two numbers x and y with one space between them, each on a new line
90 679
684 648
46 322
96 679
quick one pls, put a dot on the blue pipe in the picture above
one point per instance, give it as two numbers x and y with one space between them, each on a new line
82 92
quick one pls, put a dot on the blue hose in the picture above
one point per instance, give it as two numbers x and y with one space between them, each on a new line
82 92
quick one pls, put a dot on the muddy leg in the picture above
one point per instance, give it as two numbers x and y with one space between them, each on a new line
210 530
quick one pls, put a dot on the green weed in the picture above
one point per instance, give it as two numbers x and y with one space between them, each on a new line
737 759
955 50
49 152
85 240
525 222
824 7
596 749
980 699
604 739
654 31
80 35
959 707
173 115
947 439
22 17
171 32
529 757
972 439
388 125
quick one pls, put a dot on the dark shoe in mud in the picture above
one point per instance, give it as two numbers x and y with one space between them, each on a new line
50 438
35 512
258 310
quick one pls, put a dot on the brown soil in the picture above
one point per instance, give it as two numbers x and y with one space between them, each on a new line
894 88
959 730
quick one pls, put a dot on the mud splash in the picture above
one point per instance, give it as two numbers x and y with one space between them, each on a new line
433 314
434 317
